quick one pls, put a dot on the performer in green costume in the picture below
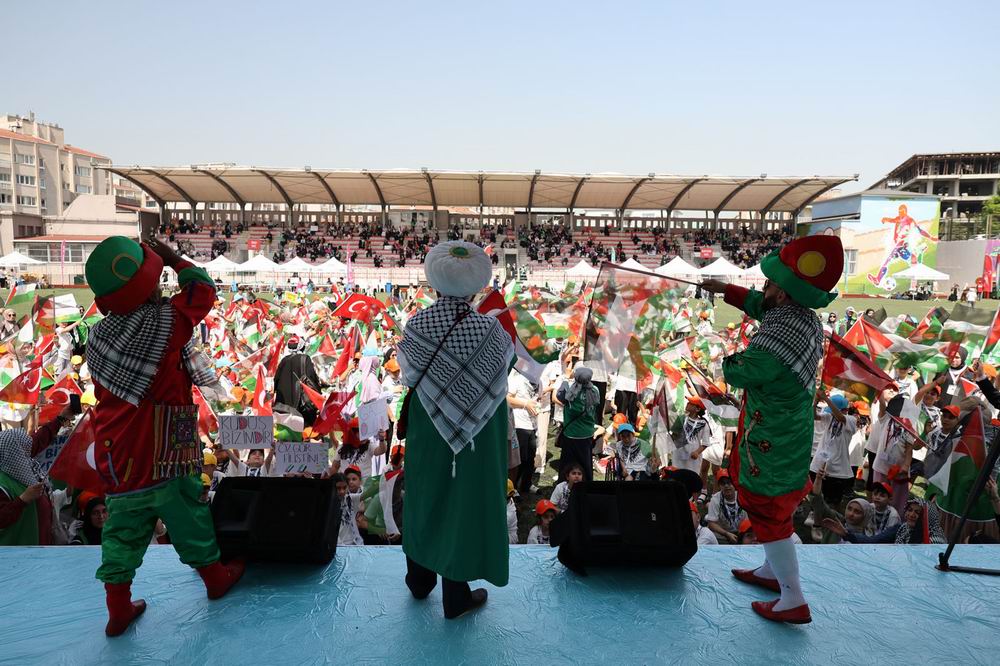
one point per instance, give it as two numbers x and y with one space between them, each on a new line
777 373
455 362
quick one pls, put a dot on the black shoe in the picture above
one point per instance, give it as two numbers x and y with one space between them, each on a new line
476 599
419 591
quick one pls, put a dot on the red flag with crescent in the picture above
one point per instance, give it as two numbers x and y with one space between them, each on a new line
23 389
58 398
358 306
260 406
76 465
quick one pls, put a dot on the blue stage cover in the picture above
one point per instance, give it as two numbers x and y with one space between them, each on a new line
870 604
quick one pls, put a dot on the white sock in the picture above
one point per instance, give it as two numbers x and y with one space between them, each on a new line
785 565
764 570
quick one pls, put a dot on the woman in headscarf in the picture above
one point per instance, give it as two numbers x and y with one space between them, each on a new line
88 527
581 402
455 362
8 327
26 515
921 524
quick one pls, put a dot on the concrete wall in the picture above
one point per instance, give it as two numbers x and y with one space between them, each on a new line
962 260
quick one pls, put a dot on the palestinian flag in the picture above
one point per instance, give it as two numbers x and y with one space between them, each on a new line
23 293
867 338
288 427
926 359
846 368
720 405
929 328
378 494
991 352
968 327
422 299
43 313
66 309
495 306
963 458
533 335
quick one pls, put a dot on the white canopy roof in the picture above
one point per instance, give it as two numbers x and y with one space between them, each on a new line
722 267
754 271
221 263
406 187
332 265
633 264
187 258
15 258
582 269
259 264
921 272
676 267
297 265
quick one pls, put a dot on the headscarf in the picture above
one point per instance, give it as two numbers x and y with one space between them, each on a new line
582 377
927 529
371 387
92 533
868 512
15 458
467 379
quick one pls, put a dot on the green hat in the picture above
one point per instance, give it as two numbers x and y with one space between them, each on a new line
807 269
122 274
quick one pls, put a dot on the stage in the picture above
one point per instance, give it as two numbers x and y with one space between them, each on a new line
869 604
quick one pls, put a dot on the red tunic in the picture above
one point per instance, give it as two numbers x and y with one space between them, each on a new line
124 433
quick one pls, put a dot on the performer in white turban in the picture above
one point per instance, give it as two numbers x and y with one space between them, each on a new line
456 361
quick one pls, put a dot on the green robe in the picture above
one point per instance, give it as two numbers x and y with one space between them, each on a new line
457 527
25 531
780 442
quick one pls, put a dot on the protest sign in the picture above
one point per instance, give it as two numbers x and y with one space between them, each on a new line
299 457
48 455
245 432
373 417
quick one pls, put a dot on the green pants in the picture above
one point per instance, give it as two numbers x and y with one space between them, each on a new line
132 520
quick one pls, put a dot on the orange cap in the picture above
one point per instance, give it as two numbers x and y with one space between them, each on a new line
545 506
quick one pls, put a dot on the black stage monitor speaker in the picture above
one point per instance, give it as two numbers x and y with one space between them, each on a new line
630 523
277 519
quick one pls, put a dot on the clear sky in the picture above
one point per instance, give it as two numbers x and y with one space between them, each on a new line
702 87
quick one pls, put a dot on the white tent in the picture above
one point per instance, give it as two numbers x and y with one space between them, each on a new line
259 264
583 269
15 258
754 272
721 267
221 265
332 265
676 267
187 258
298 265
633 264
921 273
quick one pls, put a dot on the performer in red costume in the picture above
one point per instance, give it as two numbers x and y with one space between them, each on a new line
146 445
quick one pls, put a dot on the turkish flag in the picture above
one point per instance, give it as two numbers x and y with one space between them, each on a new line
330 417
358 306
272 363
207 423
23 389
76 464
260 407
315 397
495 306
326 347
346 355
58 398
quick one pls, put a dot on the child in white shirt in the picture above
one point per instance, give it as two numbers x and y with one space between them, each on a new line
560 495
539 534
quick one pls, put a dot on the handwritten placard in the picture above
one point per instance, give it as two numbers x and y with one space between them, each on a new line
48 455
299 457
373 417
245 432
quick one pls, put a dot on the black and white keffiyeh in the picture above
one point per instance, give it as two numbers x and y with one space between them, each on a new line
124 351
794 335
468 378
15 457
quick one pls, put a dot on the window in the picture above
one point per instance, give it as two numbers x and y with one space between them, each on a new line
21 158
84 189
74 252
4 198
23 200
25 180
37 251
4 177
82 171
850 262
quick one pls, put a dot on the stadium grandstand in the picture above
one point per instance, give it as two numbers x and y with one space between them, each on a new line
534 222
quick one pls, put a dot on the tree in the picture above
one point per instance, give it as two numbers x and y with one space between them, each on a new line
992 206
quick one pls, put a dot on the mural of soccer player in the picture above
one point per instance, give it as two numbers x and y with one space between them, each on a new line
906 245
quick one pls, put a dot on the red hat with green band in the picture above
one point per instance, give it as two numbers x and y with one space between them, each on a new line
807 269
122 274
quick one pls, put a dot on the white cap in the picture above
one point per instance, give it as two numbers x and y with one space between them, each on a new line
457 268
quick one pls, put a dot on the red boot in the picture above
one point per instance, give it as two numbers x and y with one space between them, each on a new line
220 577
121 609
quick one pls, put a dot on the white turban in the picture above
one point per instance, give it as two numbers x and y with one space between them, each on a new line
457 268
